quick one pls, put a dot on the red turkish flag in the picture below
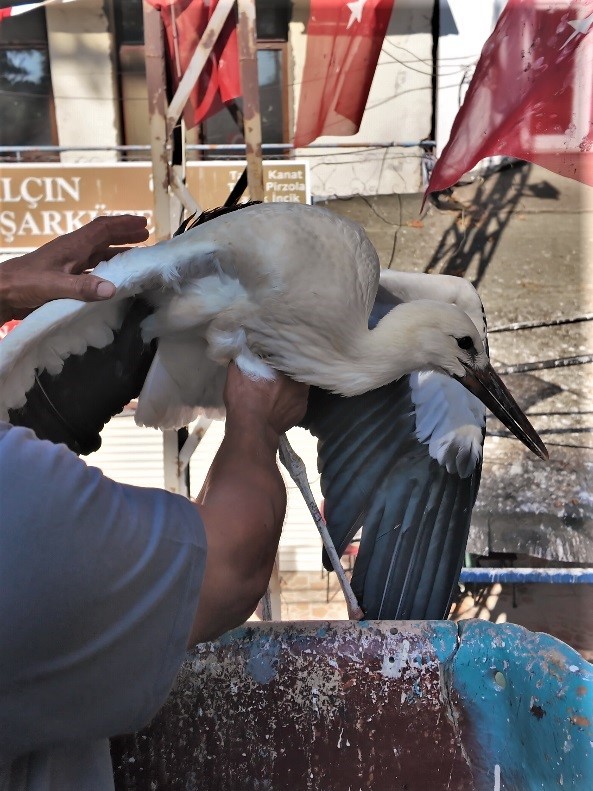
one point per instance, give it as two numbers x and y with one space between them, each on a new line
531 96
10 325
344 40
185 22
23 8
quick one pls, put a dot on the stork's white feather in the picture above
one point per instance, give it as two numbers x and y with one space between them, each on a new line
410 286
274 286
450 420
182 382
164 404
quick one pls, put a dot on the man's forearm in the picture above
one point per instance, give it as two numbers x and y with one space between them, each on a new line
242 504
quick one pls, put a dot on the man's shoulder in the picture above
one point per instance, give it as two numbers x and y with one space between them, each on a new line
4 428
15 433
68 766
19 446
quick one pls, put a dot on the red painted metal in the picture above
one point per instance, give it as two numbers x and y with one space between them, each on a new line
308 705
379 705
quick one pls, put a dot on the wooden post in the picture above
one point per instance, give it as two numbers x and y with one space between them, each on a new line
170 193
154 49
165 208
247 40
270 606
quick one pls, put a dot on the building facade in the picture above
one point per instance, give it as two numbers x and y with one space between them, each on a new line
73 74
73 90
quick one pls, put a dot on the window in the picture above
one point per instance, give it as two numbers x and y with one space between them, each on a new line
26 99
129 36
222 128
272 17
128 21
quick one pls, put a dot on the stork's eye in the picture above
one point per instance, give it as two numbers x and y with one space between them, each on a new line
465 342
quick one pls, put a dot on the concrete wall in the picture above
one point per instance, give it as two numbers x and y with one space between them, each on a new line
564 611
83 78
399 109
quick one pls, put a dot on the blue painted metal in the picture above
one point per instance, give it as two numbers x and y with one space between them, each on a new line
527 702
490 576
378 705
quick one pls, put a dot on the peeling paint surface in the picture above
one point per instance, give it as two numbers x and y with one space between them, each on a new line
527 706
382 705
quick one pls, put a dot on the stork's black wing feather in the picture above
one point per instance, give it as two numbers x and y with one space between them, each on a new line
414 515
74 406
210 214
376 475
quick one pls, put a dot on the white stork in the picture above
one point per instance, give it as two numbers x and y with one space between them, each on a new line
296 289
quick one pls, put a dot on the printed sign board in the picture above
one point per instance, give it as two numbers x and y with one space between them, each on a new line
41 201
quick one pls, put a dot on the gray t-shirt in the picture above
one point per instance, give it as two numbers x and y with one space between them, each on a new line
99 584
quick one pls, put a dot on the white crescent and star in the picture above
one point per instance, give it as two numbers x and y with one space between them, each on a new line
356 9
580 26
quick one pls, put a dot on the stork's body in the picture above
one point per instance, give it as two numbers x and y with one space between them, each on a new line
296 302
270 286
289 287
402 465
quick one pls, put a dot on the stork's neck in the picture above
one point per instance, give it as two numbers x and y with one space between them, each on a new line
378 357
409 286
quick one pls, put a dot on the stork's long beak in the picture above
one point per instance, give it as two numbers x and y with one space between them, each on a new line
487 385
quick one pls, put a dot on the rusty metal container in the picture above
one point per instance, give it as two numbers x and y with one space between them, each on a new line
381 705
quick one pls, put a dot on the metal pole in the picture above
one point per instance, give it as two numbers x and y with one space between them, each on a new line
523 576
216 147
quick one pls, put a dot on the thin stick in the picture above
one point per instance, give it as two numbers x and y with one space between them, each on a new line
532 325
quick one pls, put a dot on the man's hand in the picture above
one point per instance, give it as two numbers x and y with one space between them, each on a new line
59 268
272 406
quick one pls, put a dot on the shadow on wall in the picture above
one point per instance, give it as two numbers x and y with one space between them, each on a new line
477 229
564 611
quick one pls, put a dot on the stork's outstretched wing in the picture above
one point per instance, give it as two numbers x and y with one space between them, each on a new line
414 515
96 348
74 406
403 462
377 474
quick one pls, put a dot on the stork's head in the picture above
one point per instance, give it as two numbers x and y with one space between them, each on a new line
441 337
445 339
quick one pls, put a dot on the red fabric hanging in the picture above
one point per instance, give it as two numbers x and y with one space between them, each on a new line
343 45
184 22
531 94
